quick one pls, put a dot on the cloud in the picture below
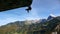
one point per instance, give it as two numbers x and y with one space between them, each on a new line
7 20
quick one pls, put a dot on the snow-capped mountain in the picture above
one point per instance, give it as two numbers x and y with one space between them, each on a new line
51 16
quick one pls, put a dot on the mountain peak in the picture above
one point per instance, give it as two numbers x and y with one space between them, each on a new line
52 15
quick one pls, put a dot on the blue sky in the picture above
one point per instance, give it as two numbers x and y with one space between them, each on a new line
40 9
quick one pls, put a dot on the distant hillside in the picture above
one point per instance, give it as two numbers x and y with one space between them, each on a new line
29 26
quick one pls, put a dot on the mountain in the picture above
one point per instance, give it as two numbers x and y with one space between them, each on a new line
43 20
29 26
52 24
51 16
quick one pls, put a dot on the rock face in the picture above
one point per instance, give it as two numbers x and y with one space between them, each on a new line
50 17
12 4
43 20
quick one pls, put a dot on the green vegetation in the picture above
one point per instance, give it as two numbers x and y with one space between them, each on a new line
19 27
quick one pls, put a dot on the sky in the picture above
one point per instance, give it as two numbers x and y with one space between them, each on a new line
40 9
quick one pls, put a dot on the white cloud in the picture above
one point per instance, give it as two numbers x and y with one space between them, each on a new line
7 20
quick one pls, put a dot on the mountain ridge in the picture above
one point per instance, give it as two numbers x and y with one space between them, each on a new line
30 25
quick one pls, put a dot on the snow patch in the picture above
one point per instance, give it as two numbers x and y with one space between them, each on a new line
52 15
